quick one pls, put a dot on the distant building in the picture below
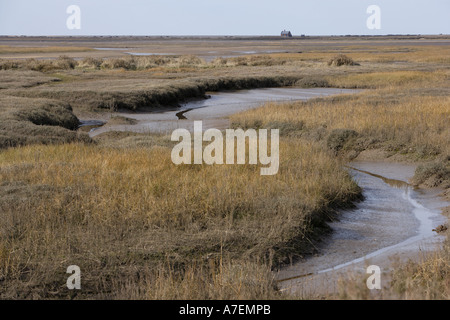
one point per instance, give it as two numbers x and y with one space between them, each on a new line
286 34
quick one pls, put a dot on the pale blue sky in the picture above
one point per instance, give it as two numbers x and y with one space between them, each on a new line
223 17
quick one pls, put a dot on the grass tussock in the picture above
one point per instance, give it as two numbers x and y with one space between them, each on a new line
170 63
62 63
129 63
341 60
90 63
433 174
428 279
35 121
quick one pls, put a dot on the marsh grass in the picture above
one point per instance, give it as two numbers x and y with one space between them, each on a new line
35 121
400 123
377 54
425 278
15 79
433 174
112 205
394 79
62 63
141 227
341 60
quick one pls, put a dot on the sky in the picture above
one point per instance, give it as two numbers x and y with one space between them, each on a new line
223 17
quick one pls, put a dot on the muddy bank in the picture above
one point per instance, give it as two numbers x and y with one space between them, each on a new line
394 222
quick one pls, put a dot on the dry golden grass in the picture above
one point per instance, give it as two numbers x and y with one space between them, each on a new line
392 79
96 207
215 279
401 112
377 54
426 278
429 279
28 121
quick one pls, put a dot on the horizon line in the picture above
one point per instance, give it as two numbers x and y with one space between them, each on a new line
230 35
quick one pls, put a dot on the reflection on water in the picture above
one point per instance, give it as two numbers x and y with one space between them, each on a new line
392 182
90 125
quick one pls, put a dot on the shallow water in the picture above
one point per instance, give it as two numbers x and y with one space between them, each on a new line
90 125
148 54
214 112
394 220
